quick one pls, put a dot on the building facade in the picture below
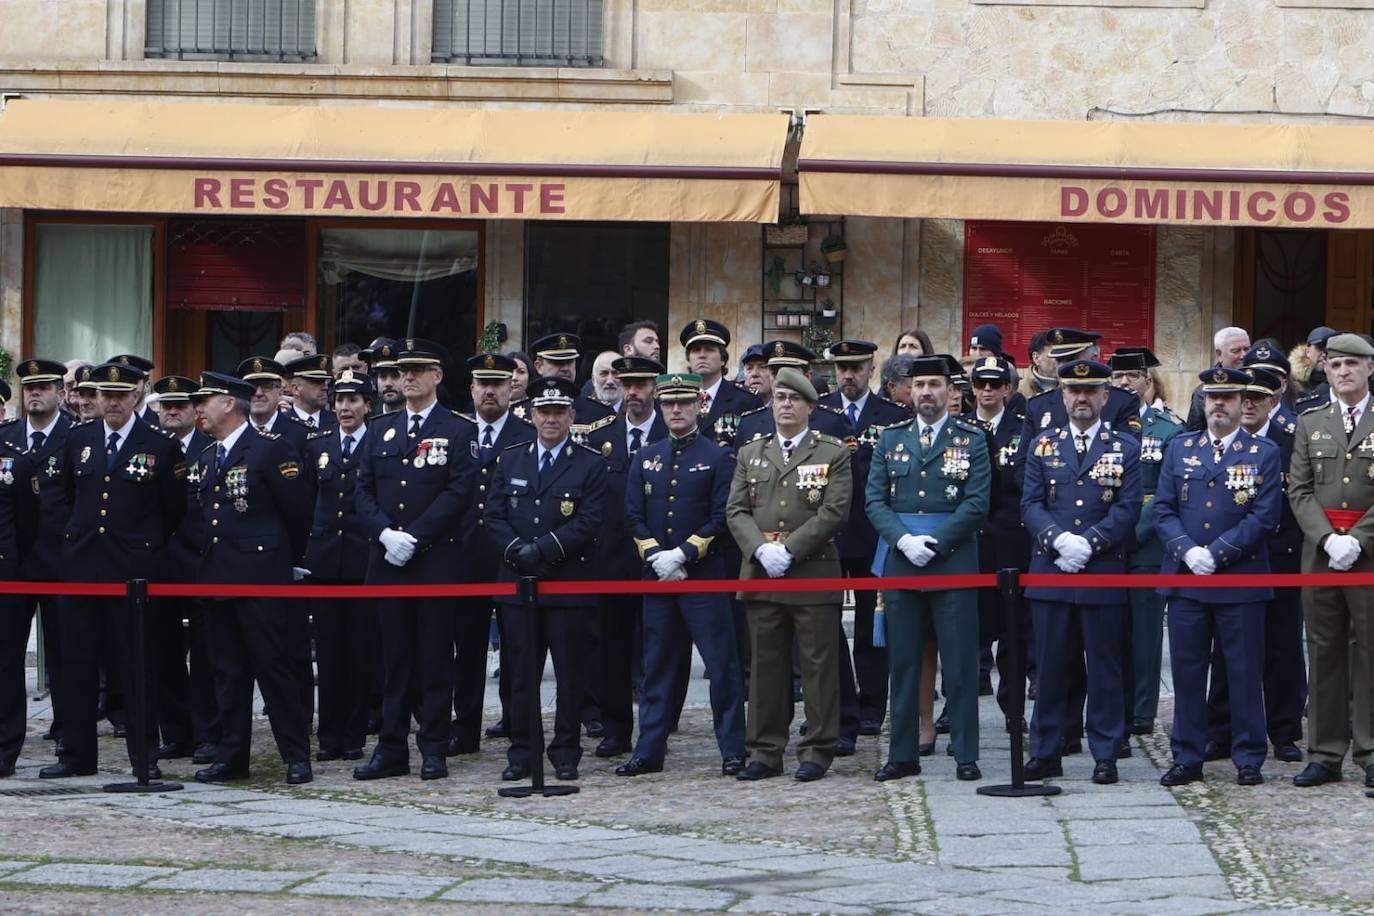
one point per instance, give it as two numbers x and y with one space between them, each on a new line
200 289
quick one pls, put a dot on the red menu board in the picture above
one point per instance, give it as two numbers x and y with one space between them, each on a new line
1028 277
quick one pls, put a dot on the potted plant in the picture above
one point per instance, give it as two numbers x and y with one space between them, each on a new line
833 248
822 277
790 230
828 312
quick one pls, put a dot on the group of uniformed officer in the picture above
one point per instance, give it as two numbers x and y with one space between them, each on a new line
368 479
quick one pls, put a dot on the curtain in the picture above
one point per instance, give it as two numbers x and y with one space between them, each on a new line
396 254
93 291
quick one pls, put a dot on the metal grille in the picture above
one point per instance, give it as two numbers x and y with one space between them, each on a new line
50 792
518 32
231 29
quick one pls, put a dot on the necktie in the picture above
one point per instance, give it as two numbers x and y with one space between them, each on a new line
852 411
310 422
487 439
1081 443
705 403
415 421
348 447
111 451
786 451
262 427
636 439
221 458
38 440
1352 416
1216 451
545 463
927 437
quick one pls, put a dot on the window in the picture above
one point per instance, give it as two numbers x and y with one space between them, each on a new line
593 279
518 32
93 290
232 29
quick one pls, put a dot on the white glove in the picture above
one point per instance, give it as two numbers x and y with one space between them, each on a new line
916 548
400 547
665 562
1074 547
1068 564
774 559
297 573
1344 550
677 575
1200 561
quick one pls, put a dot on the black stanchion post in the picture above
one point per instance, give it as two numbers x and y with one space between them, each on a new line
1008 583
136 600
528 589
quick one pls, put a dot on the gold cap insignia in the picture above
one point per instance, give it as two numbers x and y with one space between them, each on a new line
991 363
675 380
33 368
113 374
489 362
779 349
1057 337
842 349
386 350
347 376
1219 376
257 365
173 385
1081 370
701 326
86 374
562 342
410 344
123 359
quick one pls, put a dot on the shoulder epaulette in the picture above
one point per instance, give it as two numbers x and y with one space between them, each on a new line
511 448
887 401
587 448
469 417
8 420
266 435
80 423
826 437
1314 407
834 410
900 423
743 387
753 410
969 425
207 448
319 434
598 424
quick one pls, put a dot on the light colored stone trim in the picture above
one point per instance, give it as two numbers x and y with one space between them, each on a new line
1143 4
1325 4
12 282
251 81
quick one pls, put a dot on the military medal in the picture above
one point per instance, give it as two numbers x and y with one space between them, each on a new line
389 434
6 471
1045 420
956 463
85 454
52 469
1151 449
566 507
241 504
951 492
649 488
324 460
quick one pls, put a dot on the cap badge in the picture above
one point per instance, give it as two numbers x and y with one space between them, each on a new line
347 376
122 359
1219 376
675 380
562 342
489 362
257 365
113 374
779 349
33 368
973 341
173 385
1057 337
990 363
701 326
1081 370
410 344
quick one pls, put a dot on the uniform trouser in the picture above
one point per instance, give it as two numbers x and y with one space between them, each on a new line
471 635
16 618
91 626
167 652
1147 649
849 690
298 621
609 676
50 617
417 653
562 635
503 682
250 639
1066 636
772 628
1285 677
205 718
1238 629
1340 651
669 622
346 636
953 617
870 661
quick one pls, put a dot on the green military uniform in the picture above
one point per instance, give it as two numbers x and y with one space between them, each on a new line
802 503
1331 489
1157 430
941 490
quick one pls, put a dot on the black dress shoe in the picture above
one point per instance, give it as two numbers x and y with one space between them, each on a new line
844 747
64 769
499 730
1104 774
896 770
1369 776
121 730
374 726
1024 727
6 770
1249 775
926 750
942 722
596 729
803 728
221 772
324 756
173 752
732 766
355 753
612 747
381 768
638 766
1072 746
433 766
154 773
968 772
515 772
1043 769
566 771
871 727
1315 774
757 770
458 746
1180 775
299 773
48 735
1030 691
1287 752
1215 750
205 753
1142 726
985 688
1123 750
809 772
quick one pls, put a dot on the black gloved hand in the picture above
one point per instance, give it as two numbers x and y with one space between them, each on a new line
528 560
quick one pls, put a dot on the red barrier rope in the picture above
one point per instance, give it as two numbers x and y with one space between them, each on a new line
694 586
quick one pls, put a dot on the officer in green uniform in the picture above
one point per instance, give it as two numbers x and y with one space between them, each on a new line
1131 370
1331 489
928 492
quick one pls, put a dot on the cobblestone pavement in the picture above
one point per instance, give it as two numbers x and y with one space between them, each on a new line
688 839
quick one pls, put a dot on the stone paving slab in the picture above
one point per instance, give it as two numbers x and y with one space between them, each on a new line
355 884
641 897
9 867
1147 888
231 880
1142 861
698 873
307 829
1133 832
763 903
253 819
1181 906
991 851
518 891
626 866
83 875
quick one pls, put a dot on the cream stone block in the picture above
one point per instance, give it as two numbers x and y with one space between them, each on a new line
873 279
798 90
741 90
692 41
941 292
370 32
793 42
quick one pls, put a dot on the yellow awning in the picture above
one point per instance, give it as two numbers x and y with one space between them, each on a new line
389 162
1275 175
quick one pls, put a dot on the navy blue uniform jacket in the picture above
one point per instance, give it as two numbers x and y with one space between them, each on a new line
697 477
